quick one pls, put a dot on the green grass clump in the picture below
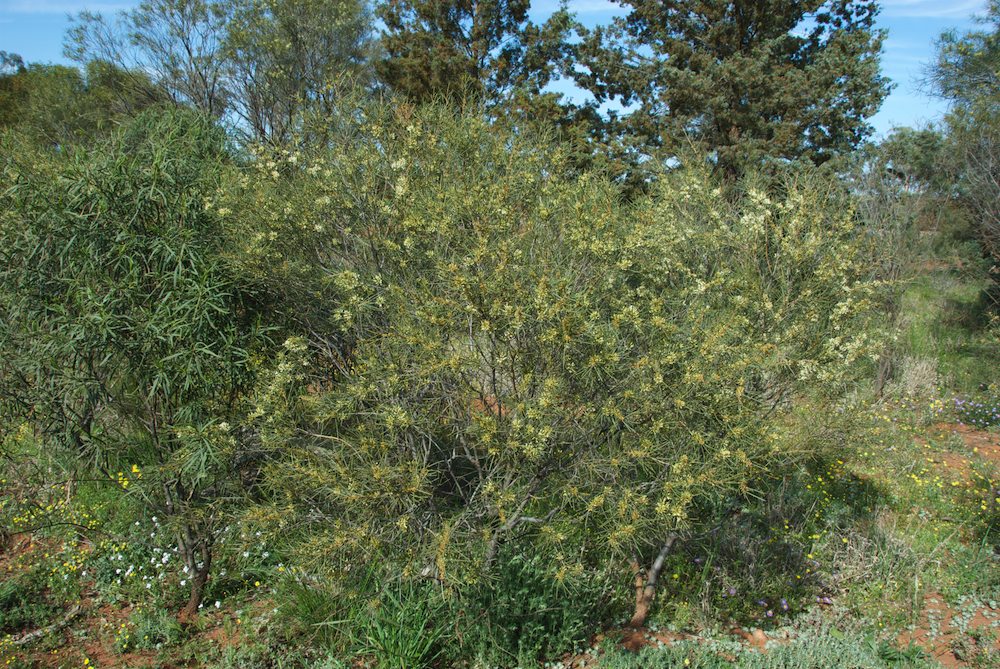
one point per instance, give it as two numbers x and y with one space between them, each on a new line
527 613
822 649
25 602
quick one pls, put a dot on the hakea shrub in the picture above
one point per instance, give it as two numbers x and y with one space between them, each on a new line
485 349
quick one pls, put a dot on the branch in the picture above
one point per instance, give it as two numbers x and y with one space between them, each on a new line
54 627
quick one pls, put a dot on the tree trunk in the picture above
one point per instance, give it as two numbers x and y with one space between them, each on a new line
192 549
885 371
645 583
198 582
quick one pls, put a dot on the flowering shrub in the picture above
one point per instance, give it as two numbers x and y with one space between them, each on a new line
493 352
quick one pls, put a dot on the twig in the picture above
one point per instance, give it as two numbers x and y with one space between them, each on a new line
54 627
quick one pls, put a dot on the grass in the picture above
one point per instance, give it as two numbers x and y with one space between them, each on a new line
943 323
826 647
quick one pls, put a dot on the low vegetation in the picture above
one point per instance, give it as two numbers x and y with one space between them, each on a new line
299 374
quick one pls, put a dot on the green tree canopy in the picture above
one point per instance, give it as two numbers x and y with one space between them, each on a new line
258 65
967 70
126 341
486 48
288 56
967 73
58 106
743 80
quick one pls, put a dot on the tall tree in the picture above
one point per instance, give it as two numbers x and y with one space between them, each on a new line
288 55
179 42
967 70
744 79
258 64
485 48
967 73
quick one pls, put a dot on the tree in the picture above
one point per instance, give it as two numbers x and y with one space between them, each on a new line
967 73
178 42
12 88
10 63
916 157
58 106
966 69
286 56
487 49
127 344
256 64
744 80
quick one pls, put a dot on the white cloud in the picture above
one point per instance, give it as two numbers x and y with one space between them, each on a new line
65 6
932 9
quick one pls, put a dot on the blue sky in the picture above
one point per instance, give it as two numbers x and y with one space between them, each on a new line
34 29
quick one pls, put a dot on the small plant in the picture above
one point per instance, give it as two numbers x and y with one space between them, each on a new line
528 614
981 413
821 648
400 631
24 603
316 615
155 628
895 656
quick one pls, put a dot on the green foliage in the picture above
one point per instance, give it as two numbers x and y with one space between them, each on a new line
498 352
25 603
128 340
287 57
315 614
401 629
507 384
525 614
487 49
179 42
741 80
966 74
966 68
259 65
917 157
152 628
823 648
56 106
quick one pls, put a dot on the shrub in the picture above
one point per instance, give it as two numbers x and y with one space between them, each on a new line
24 602
127 345
492 351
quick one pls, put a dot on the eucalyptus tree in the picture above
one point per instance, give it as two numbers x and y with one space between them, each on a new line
258 65
287 57
177 42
